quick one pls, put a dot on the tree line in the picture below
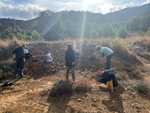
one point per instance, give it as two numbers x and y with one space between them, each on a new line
76 24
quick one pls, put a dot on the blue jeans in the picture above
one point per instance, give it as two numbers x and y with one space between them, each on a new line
107 64
19 65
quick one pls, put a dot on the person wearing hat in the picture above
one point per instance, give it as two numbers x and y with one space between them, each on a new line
70 62
107 54
19 56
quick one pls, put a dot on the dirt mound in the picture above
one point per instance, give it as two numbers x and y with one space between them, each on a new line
88 61
140 48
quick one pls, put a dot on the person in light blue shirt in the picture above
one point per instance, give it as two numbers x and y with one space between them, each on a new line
107 54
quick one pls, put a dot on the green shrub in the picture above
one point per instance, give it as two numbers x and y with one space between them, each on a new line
61 87
82 87
143 87
118 46
65 87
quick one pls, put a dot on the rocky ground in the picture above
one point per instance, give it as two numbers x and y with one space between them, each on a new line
32 93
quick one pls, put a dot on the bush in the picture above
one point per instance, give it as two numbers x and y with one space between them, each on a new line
118 46
61 87
82 87
6 48
65 87
147 45
143 87
122 33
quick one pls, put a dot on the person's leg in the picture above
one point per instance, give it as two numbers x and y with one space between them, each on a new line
21 66
73 73
28 55
108 62
16 69
67 72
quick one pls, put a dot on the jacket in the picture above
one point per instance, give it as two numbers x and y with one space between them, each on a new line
69 57
107 76
19 53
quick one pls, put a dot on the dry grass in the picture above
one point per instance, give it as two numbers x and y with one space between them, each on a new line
62 87
6 69
7 46
83 86
66 87
143 87
118 46
148 45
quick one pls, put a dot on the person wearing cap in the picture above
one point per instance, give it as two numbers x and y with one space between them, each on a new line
70 62
19 56
107 54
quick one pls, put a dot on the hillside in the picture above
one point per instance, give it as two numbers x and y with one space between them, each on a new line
50 25
24 25
33 93
128 14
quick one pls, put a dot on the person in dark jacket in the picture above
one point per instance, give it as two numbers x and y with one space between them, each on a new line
107 54
70 62
19 56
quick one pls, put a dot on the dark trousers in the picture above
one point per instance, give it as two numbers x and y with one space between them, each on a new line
19 65
107 64
28 55
72 70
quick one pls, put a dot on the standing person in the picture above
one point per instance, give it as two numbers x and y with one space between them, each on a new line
107 54
19 56
70 62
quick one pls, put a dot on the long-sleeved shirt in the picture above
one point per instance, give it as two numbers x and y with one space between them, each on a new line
19 54
105 51
69 57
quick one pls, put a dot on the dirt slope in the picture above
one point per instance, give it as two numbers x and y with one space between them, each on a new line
32 94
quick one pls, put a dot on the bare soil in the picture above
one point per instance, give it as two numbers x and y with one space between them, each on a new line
32 93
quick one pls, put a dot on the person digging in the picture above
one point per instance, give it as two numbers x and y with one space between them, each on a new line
107 54
19 56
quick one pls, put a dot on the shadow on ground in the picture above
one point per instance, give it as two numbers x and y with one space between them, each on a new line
59 104
114 103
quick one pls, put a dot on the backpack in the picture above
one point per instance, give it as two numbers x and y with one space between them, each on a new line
107 76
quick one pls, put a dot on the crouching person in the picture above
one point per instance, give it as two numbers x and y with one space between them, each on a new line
70 62
48 58
27 54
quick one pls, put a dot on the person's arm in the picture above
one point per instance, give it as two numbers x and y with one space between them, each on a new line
66 56
24 60
14 56
104 57
73 58
23 56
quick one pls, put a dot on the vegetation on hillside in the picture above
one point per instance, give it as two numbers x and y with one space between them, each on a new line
75 24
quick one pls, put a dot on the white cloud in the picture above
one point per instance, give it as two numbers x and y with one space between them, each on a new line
32 9
147 1
27 11
99 6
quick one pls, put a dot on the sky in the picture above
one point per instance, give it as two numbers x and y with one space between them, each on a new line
29 9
